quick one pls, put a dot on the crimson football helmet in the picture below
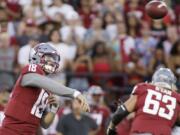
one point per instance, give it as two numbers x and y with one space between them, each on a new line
47 57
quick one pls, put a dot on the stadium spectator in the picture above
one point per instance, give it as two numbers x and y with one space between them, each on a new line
175 58
109 24
59 7
99 112
96 33
172 38
7 54
119 16
158 29
7 26
73 31
102 63
27 29
37 9
26 51
124 44
81 65
66 51
133 25
47 27
86 13
135 70
111 6
81 124
13 9
159 60
66 107
145 44
134 7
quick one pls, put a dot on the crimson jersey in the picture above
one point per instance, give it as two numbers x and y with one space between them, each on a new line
26 105
100 114
156 109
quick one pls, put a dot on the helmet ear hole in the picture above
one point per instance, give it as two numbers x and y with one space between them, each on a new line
34 58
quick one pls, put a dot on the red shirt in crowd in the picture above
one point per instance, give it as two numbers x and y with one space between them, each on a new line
13 6
87 17
101 115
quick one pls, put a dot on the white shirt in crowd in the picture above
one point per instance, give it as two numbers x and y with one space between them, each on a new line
64 10
129 45
112 31
28 2
1 117
78 31
167 47
24 54
67 52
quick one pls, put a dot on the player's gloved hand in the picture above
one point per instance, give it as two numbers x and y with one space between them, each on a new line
84 105
53 104
111 131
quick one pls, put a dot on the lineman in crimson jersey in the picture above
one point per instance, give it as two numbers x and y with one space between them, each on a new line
31 104
156 106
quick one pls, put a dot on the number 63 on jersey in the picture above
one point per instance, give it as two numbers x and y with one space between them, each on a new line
152 104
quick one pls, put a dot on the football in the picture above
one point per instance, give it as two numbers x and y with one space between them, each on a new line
156 9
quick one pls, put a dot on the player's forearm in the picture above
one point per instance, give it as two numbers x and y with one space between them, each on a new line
47 120
119 115
36 80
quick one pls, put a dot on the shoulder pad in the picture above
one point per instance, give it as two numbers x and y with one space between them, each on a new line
139 88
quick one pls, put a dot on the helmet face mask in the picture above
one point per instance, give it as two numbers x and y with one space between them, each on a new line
47 57
50 63
164 77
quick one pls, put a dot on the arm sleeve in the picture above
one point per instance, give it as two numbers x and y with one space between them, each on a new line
40 81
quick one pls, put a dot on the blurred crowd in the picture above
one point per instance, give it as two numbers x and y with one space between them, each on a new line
109 43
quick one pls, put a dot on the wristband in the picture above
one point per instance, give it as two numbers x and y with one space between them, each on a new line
76 93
